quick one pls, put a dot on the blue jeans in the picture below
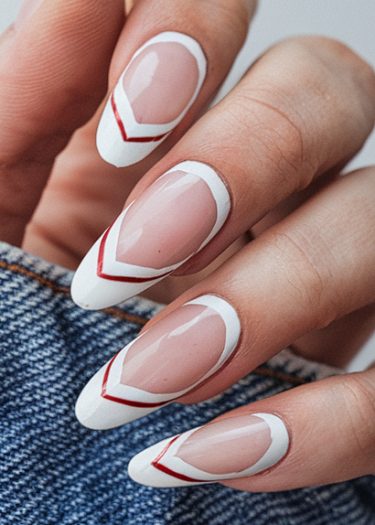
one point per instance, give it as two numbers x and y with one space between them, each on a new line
53 471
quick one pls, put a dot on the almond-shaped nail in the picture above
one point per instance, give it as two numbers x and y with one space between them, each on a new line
172 220
156 89
234 447
168 360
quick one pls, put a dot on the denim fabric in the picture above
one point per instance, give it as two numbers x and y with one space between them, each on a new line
53 471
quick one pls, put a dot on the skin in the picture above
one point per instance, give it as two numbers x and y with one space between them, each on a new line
301 112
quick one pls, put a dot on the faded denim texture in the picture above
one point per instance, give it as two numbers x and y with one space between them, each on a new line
55 472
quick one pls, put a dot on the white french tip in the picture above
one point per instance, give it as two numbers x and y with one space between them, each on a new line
141 470
111 146
97 413
91 292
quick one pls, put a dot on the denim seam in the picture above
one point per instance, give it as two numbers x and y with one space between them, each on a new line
43 281
25 272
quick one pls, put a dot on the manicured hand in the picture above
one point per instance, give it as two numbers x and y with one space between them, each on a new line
266 159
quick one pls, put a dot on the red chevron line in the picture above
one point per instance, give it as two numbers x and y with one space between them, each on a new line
122 278
156 464
121 126
120 400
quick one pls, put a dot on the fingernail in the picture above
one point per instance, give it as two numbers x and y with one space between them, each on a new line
235 447
168 360
172 220
156 89
28 7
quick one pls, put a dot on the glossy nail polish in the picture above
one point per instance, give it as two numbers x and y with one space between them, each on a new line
156 89
233 447
168 360
171 221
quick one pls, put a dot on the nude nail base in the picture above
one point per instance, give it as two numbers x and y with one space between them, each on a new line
173 219
166 463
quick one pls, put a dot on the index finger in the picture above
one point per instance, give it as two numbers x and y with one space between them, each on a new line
169 61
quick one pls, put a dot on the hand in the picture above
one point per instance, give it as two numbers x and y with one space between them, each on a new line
272 149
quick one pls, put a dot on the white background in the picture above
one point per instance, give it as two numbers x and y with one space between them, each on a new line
351 21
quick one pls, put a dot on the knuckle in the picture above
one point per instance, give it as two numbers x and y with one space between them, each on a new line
277 133
305 82
322 49
340 50
300 261
332 67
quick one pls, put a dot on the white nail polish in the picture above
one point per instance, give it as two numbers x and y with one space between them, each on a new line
168 360
170 222
156 89
245 445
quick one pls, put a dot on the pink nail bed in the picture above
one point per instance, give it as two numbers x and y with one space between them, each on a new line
237 441
166 361
234 447
172 220
177 206
155 96
156 89
172 345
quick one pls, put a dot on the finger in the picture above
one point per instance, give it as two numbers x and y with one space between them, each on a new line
80 178
338 343
168 63
298 276
300 438
53 69
277 131
82 196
